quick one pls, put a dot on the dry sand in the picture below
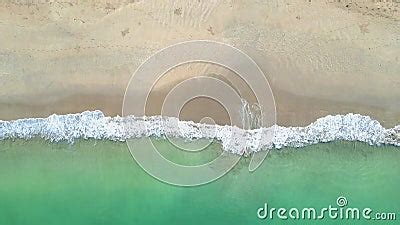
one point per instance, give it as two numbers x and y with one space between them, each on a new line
321 57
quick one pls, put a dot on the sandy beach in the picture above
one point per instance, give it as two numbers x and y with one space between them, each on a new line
320 57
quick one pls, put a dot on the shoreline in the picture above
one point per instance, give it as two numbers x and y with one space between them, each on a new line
292 110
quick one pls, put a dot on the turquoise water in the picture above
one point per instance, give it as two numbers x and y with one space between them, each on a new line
98 182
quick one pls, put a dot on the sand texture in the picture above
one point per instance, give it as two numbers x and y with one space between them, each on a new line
320 57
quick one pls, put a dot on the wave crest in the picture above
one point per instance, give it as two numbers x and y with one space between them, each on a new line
94 125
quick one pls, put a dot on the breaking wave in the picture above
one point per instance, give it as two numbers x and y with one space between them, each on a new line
94 125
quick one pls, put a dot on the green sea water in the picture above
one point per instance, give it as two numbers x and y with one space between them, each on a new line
98 182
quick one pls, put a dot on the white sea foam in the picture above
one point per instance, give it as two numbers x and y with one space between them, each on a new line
94 125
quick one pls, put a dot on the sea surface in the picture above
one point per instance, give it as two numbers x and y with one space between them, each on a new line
98 182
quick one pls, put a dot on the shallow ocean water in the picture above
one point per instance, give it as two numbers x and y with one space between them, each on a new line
98 182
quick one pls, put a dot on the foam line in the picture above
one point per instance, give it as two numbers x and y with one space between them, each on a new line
94 125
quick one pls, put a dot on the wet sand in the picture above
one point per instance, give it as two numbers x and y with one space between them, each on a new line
320 58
